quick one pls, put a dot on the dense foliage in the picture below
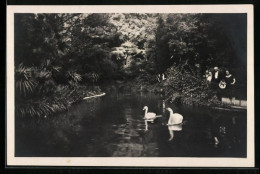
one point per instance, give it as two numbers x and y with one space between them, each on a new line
59 58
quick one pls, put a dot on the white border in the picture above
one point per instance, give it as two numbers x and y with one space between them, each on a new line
131 161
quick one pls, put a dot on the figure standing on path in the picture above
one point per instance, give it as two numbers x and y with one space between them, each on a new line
215 82
163 77
159 78
208 76
230 81
229 78
216 74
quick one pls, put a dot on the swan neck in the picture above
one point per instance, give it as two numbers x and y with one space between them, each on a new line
146 110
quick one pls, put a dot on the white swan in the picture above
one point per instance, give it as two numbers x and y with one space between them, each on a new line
149 116
174 123
175 120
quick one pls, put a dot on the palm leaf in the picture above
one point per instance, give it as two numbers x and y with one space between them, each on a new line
25 84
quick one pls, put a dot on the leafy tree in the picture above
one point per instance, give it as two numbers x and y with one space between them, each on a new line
57 54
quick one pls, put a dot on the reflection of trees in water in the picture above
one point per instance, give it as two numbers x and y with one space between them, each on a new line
128 149
150 146
139 145
225 134
58 133
129 142
130 138
96 128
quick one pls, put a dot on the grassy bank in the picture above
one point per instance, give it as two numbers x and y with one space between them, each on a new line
60 100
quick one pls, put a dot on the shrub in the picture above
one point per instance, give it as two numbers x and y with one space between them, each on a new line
192 88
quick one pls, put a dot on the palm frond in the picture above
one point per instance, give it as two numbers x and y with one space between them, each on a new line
25 83
73 76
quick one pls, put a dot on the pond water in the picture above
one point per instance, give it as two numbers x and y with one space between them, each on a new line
113 126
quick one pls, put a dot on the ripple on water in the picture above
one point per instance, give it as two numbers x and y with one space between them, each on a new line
128 149
114 126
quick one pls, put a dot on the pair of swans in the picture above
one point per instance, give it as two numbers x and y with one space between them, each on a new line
175 121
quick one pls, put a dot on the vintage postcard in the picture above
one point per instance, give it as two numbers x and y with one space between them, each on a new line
130 85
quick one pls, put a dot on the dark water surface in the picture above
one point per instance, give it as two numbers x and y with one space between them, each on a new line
112 126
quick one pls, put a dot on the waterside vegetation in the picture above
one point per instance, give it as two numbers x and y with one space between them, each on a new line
62 58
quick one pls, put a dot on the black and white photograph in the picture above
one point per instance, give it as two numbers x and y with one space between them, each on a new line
90 86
